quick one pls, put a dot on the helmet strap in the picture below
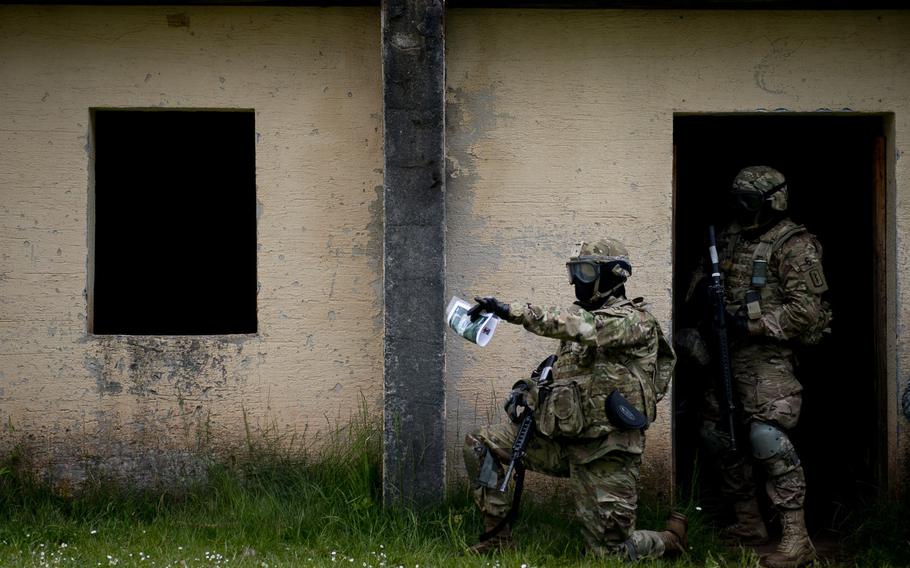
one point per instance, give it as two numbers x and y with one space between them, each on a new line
774 190
607 293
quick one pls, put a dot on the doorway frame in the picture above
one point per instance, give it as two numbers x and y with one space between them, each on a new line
886 388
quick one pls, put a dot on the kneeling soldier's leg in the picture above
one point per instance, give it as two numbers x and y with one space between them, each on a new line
485 451
606 494
606 498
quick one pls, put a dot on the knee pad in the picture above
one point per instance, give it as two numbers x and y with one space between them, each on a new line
480 463
772 447
488 476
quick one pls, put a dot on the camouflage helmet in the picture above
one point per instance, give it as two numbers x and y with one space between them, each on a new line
589 257
755 185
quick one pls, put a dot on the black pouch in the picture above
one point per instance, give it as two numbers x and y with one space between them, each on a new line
622 414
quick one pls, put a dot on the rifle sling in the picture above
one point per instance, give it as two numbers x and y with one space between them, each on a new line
513 511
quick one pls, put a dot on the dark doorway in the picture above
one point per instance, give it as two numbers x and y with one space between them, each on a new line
834 166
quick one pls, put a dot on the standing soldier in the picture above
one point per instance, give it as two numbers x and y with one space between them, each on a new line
773 283
608 344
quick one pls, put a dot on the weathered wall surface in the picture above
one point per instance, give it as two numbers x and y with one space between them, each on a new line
560 129
141 404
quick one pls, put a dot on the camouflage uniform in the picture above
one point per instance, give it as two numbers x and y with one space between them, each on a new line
773 285
789 310
618 346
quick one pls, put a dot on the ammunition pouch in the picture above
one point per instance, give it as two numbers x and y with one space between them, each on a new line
582 409
561 414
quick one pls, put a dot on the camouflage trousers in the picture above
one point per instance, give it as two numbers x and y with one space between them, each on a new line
786 481
605 489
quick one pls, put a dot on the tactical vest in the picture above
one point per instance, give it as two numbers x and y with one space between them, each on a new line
746 269
751 279
586 375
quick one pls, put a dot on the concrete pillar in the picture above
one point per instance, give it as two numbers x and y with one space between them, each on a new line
413 69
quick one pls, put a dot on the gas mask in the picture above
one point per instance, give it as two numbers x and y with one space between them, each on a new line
596 280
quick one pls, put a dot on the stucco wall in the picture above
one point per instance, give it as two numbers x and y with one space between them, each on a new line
140 404
560 128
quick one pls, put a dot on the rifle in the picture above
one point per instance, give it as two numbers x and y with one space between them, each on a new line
718 310
544 375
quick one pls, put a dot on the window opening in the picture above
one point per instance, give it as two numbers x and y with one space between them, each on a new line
173 247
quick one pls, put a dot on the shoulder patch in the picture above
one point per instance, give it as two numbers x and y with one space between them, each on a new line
809 268
815 279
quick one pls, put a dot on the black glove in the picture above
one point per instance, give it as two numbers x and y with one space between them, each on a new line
738 326
517 400
490 305
691 345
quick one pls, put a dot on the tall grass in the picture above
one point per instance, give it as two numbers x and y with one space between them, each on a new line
319 508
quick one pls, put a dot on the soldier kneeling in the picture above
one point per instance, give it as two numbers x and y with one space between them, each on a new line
611 348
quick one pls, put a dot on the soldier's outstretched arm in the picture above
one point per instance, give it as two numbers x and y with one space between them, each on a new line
612 327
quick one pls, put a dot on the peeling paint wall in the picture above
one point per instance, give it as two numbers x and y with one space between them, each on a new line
559 128
147 408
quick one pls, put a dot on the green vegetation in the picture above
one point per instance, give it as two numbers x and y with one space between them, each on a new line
318 511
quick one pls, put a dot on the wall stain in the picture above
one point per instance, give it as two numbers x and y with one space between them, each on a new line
374 250
181 20
780 51
164 366
470 116
905 401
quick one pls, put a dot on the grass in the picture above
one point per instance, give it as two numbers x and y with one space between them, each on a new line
291 511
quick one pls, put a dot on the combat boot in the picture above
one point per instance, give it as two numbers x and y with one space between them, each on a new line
675 540
795 548
499 541
749 528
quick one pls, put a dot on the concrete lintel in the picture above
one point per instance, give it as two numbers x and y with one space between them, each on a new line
413 70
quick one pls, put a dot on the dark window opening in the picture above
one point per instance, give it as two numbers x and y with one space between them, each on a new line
174 242
834 166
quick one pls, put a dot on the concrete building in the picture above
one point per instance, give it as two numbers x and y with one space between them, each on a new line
558 125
